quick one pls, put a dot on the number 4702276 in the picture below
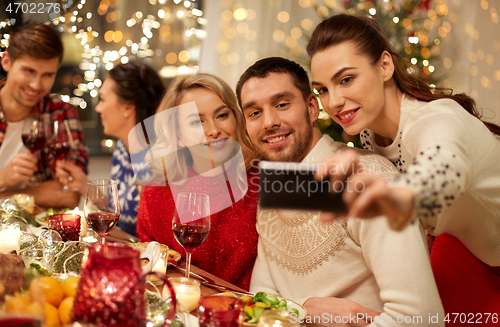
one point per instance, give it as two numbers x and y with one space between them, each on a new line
471 318
33 8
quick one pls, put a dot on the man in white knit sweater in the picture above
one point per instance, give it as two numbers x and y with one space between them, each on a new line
352 272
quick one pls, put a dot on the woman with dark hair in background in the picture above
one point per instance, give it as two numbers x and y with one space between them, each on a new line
128 96
448 158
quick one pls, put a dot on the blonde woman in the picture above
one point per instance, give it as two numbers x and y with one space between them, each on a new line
199 133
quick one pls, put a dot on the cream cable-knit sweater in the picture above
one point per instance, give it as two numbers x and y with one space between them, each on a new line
362 260
451 161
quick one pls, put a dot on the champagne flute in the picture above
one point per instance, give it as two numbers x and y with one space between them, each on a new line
191 222
33 136
102 206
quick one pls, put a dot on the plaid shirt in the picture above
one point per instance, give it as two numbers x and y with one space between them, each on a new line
52 108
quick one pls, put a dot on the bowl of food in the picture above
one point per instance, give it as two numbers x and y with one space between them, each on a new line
160 260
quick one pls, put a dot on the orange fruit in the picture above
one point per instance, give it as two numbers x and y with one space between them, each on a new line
65 310
17 304
48 289
51 314
69 286
35 309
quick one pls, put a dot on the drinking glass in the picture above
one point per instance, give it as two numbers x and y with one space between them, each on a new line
67 225
111 291
102 206
187 292
191 222
20 321
33 136
222 311
60 142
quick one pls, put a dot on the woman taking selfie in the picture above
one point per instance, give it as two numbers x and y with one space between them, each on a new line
448 157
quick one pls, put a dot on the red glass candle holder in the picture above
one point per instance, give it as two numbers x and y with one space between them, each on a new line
20 321
221 311
67 225
111 290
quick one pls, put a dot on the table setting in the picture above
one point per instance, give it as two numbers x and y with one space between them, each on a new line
114 280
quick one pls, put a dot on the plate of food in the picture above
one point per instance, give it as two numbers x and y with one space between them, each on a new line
42 217
173 255
256 305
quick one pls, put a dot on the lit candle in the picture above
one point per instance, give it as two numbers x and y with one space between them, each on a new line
83 223
89 236
187 292
75 211
10 240
160 266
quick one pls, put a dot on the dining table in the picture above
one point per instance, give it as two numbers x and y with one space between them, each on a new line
116 235
119 236
211 285
217 285
190 319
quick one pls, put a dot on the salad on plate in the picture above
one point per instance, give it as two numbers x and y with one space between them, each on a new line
257 304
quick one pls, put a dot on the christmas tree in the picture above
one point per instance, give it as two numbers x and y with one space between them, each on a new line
409 24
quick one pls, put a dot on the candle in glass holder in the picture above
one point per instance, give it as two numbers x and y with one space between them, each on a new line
160 265
67 225
83 223
222 311
89 236
10 240
187 292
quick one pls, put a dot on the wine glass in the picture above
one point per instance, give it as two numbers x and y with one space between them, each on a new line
61 142
102 206
33 136
191 222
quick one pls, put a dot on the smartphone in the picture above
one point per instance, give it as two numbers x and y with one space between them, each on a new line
288 185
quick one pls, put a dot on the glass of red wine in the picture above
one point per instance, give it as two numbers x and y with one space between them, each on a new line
33 137
60 142
191 222
102 206
20 321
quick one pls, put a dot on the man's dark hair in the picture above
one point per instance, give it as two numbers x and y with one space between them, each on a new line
35 40
264 67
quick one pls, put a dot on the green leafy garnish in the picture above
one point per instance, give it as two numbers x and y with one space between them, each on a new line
39 269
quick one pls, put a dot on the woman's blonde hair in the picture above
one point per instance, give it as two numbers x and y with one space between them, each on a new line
176 160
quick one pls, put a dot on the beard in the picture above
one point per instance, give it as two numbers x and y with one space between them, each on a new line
296 148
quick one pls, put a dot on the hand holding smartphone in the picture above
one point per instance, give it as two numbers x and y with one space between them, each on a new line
287 185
